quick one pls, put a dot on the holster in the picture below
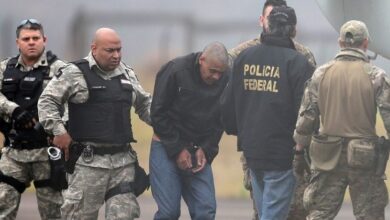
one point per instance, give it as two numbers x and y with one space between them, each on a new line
382 149
141 179
75 151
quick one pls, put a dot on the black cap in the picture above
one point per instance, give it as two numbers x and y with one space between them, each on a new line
275 3
282 15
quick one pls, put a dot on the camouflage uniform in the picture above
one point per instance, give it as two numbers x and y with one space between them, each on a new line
91 180
26 165
324 195
297 210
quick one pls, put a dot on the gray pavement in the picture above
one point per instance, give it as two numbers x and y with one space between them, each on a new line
228 209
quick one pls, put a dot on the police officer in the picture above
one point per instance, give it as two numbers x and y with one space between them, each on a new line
265 93
345 94
100 90
297 211
263 22
25 158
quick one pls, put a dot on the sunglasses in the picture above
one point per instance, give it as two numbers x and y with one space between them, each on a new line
29 21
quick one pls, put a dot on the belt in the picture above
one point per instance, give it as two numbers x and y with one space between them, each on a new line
28 145
108 150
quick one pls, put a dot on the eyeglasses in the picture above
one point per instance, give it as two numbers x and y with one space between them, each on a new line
29 21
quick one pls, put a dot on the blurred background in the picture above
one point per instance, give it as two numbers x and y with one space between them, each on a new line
153 32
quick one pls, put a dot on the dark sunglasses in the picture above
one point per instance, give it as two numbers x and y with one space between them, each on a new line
29 21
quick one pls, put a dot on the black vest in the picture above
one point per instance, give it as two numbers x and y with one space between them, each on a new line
105 116
25 88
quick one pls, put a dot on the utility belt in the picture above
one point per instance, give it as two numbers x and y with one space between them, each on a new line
28 139
87 153
107 150
362 153
28 145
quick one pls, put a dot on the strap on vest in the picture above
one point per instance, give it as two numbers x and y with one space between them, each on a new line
12 62
42 183
51 57
81 61
19 186
122 188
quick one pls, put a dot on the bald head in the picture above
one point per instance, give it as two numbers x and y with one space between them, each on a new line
213 62
106 49
104 34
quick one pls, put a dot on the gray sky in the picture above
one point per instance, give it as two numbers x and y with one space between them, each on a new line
152 29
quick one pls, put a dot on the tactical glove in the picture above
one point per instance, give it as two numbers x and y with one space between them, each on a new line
22 118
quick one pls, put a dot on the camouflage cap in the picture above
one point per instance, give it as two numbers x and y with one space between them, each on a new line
354 32
283 15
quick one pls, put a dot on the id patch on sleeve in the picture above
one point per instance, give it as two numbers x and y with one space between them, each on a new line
58 74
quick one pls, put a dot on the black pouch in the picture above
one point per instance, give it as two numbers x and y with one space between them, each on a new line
10 87
141 179
57 169
29 85
58 175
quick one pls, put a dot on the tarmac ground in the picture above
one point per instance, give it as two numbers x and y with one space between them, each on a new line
228 209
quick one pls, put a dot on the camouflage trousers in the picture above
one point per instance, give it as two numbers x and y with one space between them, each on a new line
297 210
87 189
49 200
325 193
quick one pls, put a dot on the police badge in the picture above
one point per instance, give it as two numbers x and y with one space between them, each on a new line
87 154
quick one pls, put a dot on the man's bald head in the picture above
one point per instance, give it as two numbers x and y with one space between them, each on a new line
103 34
106 49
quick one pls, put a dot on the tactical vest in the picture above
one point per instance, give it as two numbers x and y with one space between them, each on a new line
25 88
105 116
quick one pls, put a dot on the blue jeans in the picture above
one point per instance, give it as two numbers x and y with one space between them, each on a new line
169 184
272 192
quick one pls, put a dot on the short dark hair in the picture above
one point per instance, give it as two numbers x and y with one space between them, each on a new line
29 24
273 3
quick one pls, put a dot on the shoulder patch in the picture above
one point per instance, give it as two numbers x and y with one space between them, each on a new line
59 72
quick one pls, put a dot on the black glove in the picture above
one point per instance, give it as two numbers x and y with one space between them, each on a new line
300 165
39 130
22 118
